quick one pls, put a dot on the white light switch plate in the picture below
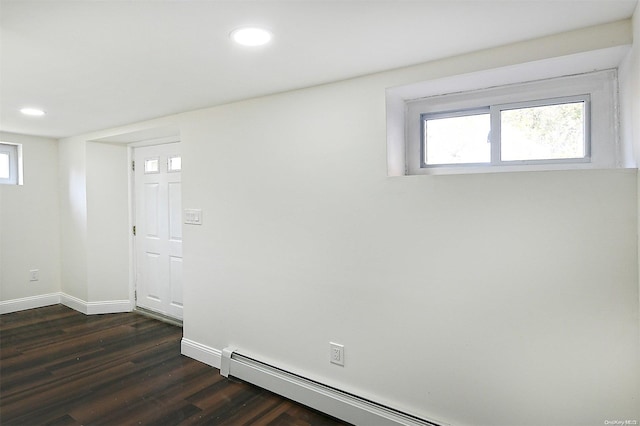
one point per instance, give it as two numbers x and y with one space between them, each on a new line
193 216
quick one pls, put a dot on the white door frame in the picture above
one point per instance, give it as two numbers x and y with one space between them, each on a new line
132 208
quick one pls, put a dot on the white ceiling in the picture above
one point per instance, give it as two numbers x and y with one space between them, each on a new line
99 64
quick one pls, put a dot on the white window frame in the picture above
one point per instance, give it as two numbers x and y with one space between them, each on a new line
494 112
598 88
15 163
448 114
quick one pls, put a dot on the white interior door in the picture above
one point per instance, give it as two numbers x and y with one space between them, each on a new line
158 225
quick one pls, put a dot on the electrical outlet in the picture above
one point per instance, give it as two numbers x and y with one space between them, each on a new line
34 275
336 353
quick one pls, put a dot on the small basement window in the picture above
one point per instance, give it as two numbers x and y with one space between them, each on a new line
10 164
541 131
558 123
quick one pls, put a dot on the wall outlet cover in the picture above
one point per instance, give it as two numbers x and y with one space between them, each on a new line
336 353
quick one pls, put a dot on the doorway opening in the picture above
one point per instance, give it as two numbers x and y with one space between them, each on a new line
157 228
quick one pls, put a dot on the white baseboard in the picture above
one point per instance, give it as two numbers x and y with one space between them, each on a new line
87 308
95 308
73 303
200 352
109 307
32 302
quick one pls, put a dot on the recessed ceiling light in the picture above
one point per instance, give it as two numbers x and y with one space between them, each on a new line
251 36
33 112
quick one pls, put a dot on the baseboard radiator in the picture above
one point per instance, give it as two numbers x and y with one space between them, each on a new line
326 399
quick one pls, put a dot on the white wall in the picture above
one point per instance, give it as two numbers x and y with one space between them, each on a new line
630 105
73 218
30 223
108 218
476 299
95 217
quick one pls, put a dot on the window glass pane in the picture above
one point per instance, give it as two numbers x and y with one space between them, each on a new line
543 133
175 164
151 165
458 140
4 166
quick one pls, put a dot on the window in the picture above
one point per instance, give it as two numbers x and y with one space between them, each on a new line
559 123
458 137
174 163
10 164
527 132
554 129
152 165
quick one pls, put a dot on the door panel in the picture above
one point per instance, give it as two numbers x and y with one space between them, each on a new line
158 220
153 266
151 205
175 208
176 283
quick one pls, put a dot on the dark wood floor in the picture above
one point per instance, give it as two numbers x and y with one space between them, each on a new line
60 367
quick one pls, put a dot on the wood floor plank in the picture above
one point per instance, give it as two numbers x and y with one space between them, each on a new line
60 367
